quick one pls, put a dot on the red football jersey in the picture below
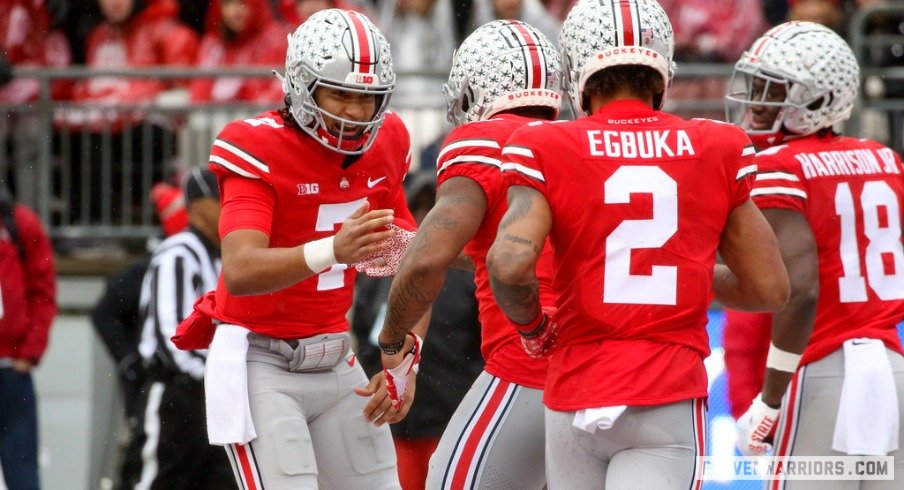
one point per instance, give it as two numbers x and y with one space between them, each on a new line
852 193
474 151
313 189
639 200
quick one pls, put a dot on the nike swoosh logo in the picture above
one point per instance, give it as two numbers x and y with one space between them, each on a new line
350 361
372 183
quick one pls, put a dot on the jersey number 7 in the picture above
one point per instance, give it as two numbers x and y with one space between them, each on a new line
328 216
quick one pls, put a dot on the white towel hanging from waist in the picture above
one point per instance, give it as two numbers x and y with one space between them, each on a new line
868 419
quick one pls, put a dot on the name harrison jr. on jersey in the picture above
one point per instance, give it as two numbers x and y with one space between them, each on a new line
640 144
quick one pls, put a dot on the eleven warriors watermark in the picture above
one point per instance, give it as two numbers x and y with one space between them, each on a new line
734 468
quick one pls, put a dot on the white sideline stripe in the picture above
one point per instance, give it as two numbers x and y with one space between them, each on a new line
745 171
241 154
230 166
466 144
471 158
517 150
777 176
517 167
789 191
149 463
748 150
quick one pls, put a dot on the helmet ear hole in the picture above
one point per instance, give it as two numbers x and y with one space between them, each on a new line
821 102
466 99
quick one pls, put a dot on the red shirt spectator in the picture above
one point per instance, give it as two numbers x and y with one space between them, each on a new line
28 39
28 288
240 33
714 30
135 33
297 11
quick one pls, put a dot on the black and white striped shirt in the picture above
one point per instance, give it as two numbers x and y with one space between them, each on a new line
183 267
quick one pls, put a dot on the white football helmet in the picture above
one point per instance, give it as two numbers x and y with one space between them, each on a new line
597 35
810 65
341 49
502 65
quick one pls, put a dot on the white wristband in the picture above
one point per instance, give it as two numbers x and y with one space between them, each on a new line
782 360
318 254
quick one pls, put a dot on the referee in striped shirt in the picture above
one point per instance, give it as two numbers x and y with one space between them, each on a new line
176 453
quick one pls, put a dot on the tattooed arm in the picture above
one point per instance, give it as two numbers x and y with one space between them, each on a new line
453 221
513 257
465 263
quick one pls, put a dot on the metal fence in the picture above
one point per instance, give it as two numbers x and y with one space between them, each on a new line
87 170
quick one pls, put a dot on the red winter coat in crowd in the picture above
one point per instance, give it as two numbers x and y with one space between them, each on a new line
28 41
714 30
152 37
261 43
28 289
290 14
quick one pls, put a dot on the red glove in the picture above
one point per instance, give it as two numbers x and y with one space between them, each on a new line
397 377
386 263
539 338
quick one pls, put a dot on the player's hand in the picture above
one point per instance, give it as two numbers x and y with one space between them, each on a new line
385 263
397 371
541 343
362 234
755 428
379 410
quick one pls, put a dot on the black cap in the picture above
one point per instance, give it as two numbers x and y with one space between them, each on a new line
198 183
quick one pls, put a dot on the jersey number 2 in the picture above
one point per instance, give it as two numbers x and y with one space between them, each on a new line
883 234
619 285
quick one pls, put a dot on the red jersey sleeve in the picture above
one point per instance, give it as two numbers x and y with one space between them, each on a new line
248 198
779 182
737 154
246 204
234 151
520 165
397 133
468 153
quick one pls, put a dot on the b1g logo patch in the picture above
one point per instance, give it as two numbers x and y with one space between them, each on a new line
308 189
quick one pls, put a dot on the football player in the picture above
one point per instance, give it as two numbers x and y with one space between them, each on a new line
635 202
306 191
835 204
504 75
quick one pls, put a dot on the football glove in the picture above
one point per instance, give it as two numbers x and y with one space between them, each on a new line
755 428
386 262
540 339
397 377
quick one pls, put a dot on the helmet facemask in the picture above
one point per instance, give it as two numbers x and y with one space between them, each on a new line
312 118
801 73
313 63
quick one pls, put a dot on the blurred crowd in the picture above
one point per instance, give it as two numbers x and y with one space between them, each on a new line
106 124
423 34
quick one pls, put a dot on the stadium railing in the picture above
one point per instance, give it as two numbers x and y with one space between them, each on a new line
87 169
